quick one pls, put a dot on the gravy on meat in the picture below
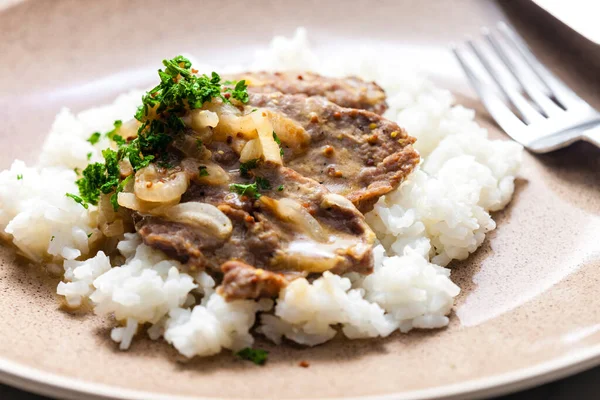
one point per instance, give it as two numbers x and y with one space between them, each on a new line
275 189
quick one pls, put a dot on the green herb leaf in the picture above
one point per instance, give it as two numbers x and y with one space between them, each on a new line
160 114
77 200
89 156
94 138
111 134
278 141
250 189
280 188
202 170
257 356
52 238
118 139
262 183
245 167
89 235
240 92
19 177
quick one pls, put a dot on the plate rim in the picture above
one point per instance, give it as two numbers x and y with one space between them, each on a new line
50 384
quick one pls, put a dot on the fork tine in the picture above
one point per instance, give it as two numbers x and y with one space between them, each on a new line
565 96
497 109
528 113
546 105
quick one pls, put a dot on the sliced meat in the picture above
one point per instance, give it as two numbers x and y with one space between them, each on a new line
275 189
295 226
351 92
243 281
355 153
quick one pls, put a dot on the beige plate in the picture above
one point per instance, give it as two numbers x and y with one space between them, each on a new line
529 311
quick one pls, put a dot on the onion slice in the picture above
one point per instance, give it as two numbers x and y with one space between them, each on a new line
291 211
152 185
201 215
252 150
270 149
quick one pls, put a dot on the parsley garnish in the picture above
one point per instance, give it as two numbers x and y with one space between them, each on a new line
245 189
263 183
19 177
111 134
94 138
240 91
245 167
52 238
89 234
257 356
202 170
251 189
278 141
77 200
118 139
89 156
160 114
280 188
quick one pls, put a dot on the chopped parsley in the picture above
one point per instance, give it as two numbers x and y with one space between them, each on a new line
52 238
111 134
245 167
202 170
280 188
94 138
278 141
20 177
160 114
89 234
89 156
262 183
118 139
78 200
257 356
240 91
250 189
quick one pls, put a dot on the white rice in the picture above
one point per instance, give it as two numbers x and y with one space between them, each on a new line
439 214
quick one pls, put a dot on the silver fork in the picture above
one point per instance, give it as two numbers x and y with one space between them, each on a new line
551 117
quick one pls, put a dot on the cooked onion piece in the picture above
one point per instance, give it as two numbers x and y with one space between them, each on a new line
125 168
189 145
251 151
309 256
200 119
130 201
289 132
234 125
213 173
291 211
270 149
112 229
201 215
152 185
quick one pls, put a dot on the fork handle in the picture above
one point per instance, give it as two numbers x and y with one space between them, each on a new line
592 136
